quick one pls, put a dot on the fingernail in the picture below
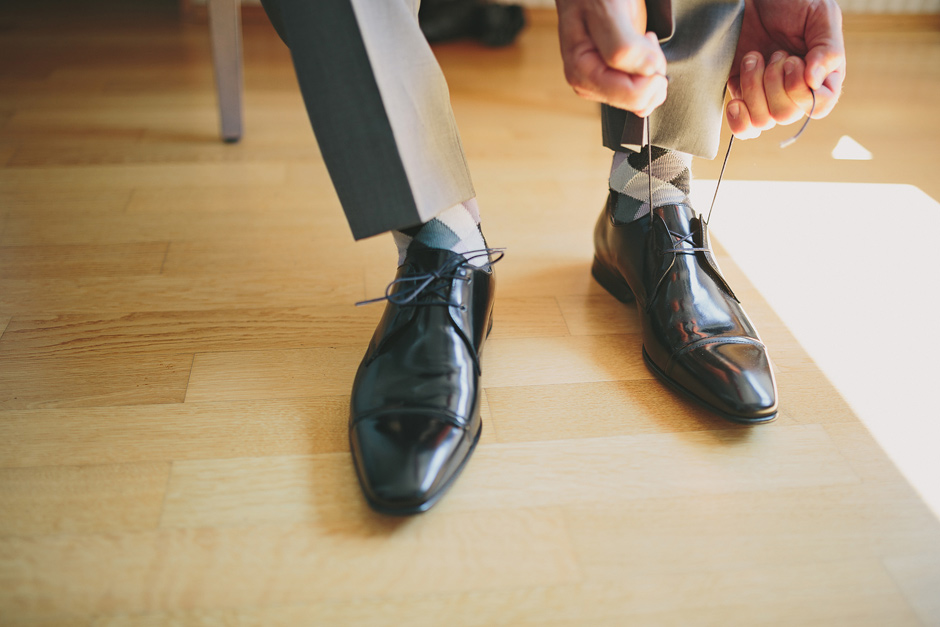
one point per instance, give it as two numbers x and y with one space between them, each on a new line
789 67
777 56
734 110
750 63
819 75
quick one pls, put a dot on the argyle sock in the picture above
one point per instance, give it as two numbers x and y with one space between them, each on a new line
456 229
672 177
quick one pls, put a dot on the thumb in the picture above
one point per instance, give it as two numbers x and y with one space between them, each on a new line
826 48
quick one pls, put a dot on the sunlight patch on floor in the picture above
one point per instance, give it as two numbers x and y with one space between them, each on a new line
845 267
847 149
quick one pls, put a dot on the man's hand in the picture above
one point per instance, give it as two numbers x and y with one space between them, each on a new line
787 48
607 56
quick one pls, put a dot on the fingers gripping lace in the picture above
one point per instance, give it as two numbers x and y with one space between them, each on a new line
684 244
783 144
649 139
433 288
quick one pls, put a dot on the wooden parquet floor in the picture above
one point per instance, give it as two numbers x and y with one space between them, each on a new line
177 343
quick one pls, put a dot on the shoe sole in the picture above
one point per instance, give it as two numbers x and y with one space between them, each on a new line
424 506
618 288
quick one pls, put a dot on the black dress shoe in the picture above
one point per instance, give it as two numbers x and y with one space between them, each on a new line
696 336
415 410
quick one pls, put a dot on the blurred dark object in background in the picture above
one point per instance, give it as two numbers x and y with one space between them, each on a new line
493 25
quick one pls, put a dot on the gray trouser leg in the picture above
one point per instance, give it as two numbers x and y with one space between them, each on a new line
379 107
699 56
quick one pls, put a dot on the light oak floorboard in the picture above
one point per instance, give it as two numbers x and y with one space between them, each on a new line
26 262
65 201
528 474
267 374
71 335
176 431
77 335
65 227
571 411
251 565
33 383
49 620
860 450
315 195
553 360
810 398
81 499
859 594
6 151
110 295
780 527
129 176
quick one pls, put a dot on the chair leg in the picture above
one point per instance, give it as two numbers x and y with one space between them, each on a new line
225 33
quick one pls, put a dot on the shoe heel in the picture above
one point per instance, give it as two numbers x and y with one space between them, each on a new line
611 282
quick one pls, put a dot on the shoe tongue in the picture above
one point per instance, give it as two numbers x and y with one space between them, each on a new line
677 218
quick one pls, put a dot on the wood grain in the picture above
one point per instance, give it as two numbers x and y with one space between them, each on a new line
780 527
593 410
504 476
130 176
246 565
25 262
65 200
654 599
315 196
7 150
136 379
163 293
66 227
266 374
553 360
127 434
77 335
81 499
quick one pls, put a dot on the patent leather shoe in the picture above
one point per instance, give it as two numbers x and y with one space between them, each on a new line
696 336
415 408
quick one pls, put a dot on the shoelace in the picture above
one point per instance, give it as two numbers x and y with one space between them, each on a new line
783 144
428 289
683 244
432 288
687 239
680 240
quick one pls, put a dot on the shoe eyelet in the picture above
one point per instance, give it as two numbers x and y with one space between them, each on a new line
463 308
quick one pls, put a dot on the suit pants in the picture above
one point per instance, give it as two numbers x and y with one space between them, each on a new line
380 108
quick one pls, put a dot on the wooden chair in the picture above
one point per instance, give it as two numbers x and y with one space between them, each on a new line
225 33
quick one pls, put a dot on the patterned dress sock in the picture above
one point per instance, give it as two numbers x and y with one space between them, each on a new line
456 229
672 179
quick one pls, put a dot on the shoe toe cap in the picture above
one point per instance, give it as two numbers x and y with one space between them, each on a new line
405 460
736 378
